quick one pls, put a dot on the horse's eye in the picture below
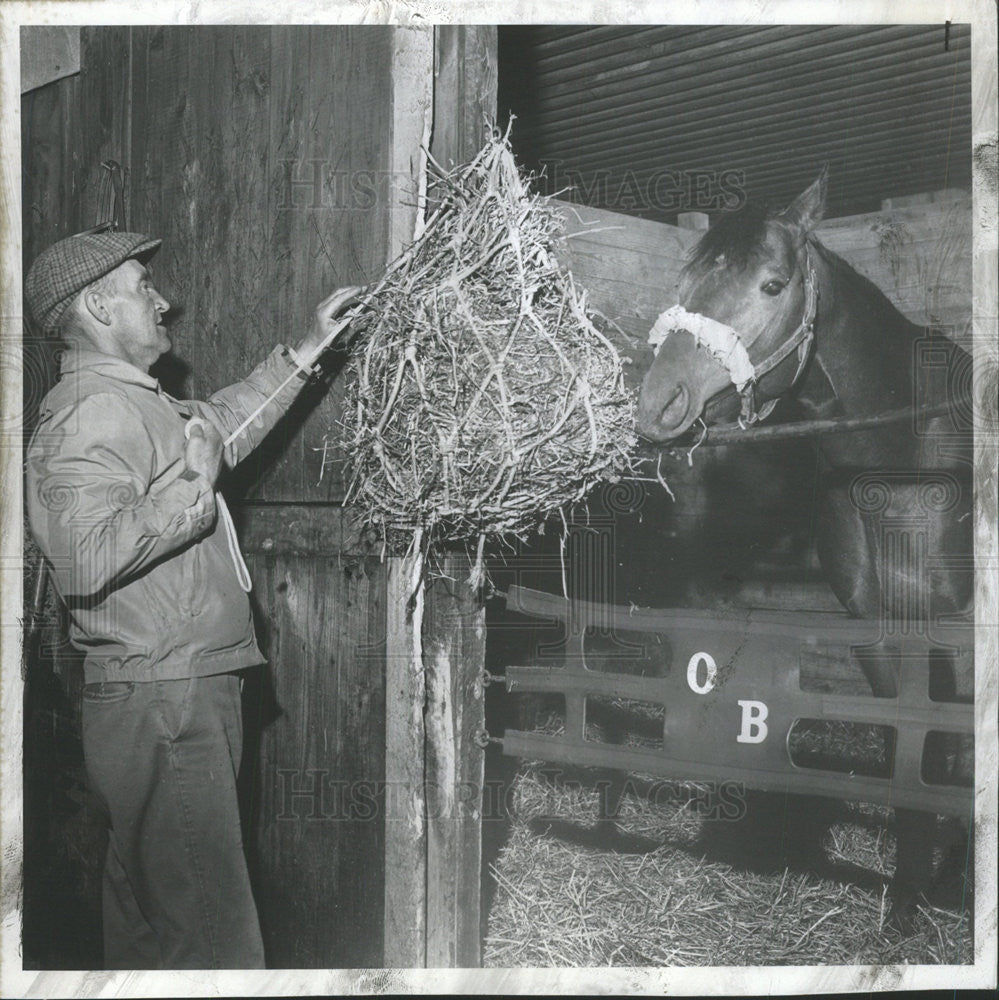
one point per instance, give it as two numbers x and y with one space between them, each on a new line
773 287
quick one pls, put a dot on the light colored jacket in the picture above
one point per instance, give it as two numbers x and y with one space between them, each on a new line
136 542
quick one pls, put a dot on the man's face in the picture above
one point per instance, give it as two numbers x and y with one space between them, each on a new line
136 315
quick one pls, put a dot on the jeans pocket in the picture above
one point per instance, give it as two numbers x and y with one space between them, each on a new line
107 692
176 701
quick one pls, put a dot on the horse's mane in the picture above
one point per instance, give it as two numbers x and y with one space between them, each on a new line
736 235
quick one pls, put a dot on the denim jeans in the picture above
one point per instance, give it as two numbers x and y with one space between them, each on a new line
164 756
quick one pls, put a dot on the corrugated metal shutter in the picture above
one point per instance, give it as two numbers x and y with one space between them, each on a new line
655 120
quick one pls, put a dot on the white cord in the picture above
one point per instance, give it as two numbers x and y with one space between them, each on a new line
302 365
242 573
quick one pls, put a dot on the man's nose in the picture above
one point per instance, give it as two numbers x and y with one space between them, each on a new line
161 304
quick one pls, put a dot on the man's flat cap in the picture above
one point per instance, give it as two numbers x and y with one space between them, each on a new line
67 267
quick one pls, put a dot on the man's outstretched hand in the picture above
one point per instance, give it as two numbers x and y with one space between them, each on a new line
326 314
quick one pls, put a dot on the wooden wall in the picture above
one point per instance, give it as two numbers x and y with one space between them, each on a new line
51 137
63 833
262 157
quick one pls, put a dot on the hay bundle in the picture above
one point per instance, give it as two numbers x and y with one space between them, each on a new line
481 397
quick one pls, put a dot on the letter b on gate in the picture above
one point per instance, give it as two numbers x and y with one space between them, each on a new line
754 726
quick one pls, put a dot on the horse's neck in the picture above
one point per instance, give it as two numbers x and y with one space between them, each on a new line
863 365
863 344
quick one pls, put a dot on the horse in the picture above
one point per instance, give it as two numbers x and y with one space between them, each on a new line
765 311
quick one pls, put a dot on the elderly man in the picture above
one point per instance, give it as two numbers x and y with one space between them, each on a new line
121 499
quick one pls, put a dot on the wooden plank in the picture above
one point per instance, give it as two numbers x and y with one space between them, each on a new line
50 131
796 626
943 799
406 820
106 87
405 799
986 460
163 166
924 198
919 256
50 143
465 84
629 268
453 653
454 644
328 206
225 187
412 119
315 758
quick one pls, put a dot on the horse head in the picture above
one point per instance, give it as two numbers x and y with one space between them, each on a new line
747 301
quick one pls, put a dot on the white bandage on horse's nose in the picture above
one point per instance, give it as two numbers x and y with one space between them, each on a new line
724 344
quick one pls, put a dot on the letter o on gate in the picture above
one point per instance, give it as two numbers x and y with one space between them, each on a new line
710 673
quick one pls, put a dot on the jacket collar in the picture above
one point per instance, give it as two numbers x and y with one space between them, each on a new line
78 359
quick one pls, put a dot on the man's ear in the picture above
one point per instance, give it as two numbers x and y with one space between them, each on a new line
95 303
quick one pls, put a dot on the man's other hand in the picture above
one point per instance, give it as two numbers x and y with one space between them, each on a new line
203 451
326 314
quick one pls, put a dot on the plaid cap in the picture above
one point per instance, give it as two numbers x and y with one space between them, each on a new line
62 271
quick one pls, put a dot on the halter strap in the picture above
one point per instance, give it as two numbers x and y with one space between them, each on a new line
803 336
801 339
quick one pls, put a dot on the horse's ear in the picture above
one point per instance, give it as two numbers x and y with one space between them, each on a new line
805 212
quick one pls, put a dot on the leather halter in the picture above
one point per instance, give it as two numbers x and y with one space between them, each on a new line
802 340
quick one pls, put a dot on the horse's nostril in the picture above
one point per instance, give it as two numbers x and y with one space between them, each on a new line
675 410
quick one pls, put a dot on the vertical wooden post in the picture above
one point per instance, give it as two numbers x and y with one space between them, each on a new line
434 697
454 643
454 624
405 803
465 84
405 800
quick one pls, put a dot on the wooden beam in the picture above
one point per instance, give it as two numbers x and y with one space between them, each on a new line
405 804
454 642
465 85
106 110
412 118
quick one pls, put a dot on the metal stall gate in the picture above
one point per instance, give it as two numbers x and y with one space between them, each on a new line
730 688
